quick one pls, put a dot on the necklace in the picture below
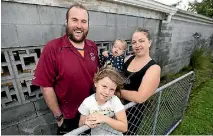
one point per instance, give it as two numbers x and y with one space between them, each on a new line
134 69
97 101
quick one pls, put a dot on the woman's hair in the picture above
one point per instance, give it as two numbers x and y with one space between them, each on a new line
112 74
145 31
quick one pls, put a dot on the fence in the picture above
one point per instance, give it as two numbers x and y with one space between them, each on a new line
160 114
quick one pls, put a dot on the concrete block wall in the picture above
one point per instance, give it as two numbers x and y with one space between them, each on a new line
30 25
17 72
163 46
27 27
184 42
30 118
108 26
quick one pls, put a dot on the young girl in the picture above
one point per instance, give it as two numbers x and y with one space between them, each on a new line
95 109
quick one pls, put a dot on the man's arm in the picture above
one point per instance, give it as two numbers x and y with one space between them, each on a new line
52 102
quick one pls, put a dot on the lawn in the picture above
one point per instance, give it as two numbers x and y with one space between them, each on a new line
198 118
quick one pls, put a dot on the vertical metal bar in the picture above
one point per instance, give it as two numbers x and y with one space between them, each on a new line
156 113
174 126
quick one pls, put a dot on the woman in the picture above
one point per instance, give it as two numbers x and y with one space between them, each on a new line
143 77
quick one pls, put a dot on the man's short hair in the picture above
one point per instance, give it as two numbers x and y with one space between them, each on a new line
77 5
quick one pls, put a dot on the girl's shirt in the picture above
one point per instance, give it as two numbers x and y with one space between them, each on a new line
90 106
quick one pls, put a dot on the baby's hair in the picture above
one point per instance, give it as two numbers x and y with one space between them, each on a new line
123 42
113 74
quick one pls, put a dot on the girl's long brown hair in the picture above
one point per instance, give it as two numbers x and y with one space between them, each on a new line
113 74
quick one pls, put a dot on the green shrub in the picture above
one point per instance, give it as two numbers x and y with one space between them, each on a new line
199 59
202 65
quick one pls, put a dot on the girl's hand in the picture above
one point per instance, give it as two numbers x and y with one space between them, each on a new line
90 122
97 118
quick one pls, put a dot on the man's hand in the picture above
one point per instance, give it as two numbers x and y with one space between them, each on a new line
60 122
105 53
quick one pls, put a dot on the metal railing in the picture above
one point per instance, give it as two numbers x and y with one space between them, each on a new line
160 114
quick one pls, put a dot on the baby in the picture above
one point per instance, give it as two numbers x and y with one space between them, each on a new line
116 58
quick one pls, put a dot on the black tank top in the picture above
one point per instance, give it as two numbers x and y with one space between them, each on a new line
133 79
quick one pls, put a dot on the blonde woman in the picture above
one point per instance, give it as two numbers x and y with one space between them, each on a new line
143 77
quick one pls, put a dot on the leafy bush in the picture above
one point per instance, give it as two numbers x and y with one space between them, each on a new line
202 65
200 60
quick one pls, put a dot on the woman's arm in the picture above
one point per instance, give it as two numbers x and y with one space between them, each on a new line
126 58
147 87
119 124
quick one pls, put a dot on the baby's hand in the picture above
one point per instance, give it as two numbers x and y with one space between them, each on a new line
105 53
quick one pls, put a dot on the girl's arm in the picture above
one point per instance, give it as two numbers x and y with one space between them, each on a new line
83 109
82 120
147 87
119 124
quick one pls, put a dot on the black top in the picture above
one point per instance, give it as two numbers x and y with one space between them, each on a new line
133 79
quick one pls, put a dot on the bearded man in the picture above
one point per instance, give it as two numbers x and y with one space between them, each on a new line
66 68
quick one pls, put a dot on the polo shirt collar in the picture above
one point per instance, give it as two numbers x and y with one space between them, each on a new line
68 44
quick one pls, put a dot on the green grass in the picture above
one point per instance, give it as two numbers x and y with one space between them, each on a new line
198 118
198 115
168 78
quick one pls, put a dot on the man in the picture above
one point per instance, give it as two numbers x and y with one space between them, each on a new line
66 68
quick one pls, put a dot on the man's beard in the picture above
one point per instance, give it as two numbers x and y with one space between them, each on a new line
72 37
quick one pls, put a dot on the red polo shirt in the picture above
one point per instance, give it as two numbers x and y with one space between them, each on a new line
62 67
